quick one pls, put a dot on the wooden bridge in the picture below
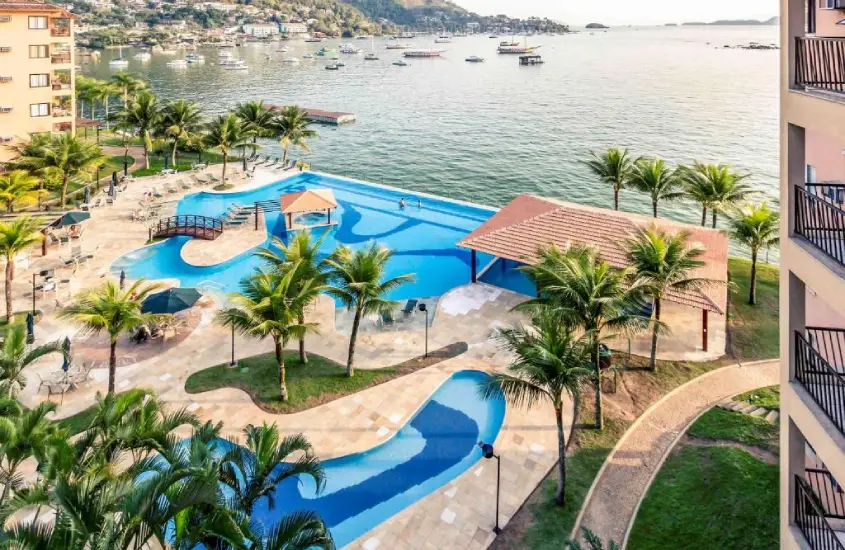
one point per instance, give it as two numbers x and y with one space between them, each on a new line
200 227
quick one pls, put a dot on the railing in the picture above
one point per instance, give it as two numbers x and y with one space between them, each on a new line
830 344
820 63
200 227
830 495
60 58
821 223
834 193
59 31
824 383
62 126
61 113
810 519
61 86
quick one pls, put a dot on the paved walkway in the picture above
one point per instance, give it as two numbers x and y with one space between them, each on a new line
627 473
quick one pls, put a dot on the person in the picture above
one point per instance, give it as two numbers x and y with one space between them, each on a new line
402 202
419 203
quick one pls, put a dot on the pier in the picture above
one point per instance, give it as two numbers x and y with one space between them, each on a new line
323 117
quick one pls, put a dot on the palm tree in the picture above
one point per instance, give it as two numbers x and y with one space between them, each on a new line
128 86
614 167
757 227
84 90
664 262
108 308
593 540
65 156
585 291
142 115
305 254
258 120
652 176
715 186
291 127
18 188
270 304
549 364
358 281
15 237
179 119
226 133
103 92
15 356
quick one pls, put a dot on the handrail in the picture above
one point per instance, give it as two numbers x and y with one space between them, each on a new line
821 223
824 384
830 344
820 63
829 492
191 225
810 519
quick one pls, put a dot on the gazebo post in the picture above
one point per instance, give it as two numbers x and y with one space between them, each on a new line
704 329
473 261
256 216
329 214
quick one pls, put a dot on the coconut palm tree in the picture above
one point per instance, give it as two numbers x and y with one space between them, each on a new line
593 540
303 252
84 89
142 115
654 177
269 305
103 91
226 133
65 157
258 120
358 280
613 167
18 188
549 364
757 227
715 187
291 127
15 237
585 291
179 119
128 86
664 262
15 356
113 310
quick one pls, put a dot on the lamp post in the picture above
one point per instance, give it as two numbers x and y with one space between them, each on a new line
488 452
33 294
125 166
233 363
424 309
98 135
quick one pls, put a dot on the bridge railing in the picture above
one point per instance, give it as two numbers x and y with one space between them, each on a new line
190 225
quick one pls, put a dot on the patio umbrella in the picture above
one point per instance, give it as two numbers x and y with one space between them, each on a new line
122 278
112 190
71 218
66 354
87 195
114 177
171 300
30 328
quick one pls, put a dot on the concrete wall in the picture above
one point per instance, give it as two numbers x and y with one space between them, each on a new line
826 22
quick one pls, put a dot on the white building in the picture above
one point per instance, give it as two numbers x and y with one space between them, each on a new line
294 28
261 30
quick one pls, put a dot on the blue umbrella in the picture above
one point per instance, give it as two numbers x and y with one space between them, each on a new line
66 350
87 195
172 300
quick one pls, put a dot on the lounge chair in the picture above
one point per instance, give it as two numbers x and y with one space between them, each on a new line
410 307
213 179
77 233
60 240
184 184
387 318
97 203
109 200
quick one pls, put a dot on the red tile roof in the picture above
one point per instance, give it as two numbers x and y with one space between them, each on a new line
308 201
30 5
528 223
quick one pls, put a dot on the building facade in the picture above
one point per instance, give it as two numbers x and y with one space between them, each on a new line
812 286
261 30
294 28
36 71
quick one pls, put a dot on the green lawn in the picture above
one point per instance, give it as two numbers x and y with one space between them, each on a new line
768 398
19 320
184 162
80 421
719 424
113 164
754 330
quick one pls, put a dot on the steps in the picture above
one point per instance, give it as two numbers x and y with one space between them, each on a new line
742 407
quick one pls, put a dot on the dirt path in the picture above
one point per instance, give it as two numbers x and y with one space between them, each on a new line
766 456
628 471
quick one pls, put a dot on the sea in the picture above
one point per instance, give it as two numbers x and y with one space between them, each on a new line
486 132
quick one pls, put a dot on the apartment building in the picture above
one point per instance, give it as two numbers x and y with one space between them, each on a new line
36 70
812 299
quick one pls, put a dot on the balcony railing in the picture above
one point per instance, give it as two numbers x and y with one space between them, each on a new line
59 112
61 85
59 31
824 382
820 221
810 519
831 498
60 58
820 63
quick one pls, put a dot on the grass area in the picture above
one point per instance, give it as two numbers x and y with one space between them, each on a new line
722 425
317 382
112 164
19 321
768 398
223 187
183 164
710 497
754 330
79 422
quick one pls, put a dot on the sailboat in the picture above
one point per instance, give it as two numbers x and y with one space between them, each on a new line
372 55
119 62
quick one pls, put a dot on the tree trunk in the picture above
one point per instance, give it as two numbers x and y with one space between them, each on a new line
752 285
173 154
8 485
65 180
616 198
560 495
594 355
106 105
9 314
280 359
654 208
112 364
284 156
357 321
714 218
303 357
146 155
652 363
704 216
223 174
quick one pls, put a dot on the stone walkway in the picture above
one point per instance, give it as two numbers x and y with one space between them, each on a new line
627 473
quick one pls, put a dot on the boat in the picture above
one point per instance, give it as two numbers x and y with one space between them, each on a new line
509 43
142 56
405 36
195 58
312 39
474 59
340 63
516 48
442 40
177 63
290 60
236 65
120 62
493 36
400 63
371 57
422 53
361 37
283 49
227 61
308 56
398 46
530 60
225 54
332 67
168 51
349 49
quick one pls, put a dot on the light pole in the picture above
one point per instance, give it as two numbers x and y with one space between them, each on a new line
233 363
33 294
424 309
488 452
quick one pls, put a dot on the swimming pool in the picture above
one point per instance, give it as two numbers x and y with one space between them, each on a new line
437 445
423 235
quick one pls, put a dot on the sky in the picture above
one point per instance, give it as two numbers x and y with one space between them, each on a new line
626 12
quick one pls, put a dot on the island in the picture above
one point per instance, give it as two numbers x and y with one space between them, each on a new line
735 22
596 26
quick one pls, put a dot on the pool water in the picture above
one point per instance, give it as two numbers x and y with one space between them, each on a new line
437 445
423 235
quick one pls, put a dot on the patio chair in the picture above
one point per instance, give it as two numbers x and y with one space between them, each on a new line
387 318
184 184
77 233
213 179
55 386
109 200
60 240
85 207
410 307
97 203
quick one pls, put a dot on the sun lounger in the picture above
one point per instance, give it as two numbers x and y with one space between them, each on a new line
410 307
97 203
387 318
213 179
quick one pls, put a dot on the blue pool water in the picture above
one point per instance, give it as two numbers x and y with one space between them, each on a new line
504 273
437 445
423 237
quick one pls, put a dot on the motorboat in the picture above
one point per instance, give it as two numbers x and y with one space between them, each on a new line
308 56
236 65
168 51
332 67
349 49
120 62
142 56
283 49
178 63
371 57
422 53
400 63
474 59
340 64
225 54
443 39
313 39
290 60
195 58
398 46
361 37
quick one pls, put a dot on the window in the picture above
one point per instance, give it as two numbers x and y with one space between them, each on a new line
39 80
39 109
831 4
37 22
810 174
37 51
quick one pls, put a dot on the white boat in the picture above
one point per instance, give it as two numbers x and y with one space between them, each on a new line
313 39
195 58
332 67
371 57
349 49
443 39
340 64
236 65
474 59
227 62
177 63
422 53
168 52
361 37
283 49
142 56
400 63
290 60
308 56
225 54
119 62
398 46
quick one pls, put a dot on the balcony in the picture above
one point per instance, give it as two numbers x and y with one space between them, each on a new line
820 66
62 127
60 58
60 27
820 371
813 519
820 217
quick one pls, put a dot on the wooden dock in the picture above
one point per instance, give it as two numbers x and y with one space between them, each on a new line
324 117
